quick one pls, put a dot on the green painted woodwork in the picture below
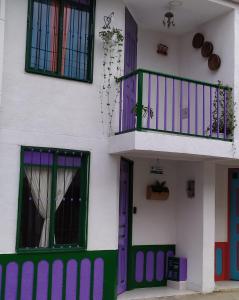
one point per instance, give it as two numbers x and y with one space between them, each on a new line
138 71
110 270
90 61
140 100
83 220
132 284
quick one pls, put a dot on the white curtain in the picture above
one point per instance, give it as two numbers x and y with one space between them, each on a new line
39 179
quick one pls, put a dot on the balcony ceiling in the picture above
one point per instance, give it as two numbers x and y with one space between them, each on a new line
191 14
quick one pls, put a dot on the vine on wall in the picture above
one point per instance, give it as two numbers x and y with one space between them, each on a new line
112 39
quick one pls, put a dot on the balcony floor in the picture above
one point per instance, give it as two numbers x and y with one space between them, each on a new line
171 146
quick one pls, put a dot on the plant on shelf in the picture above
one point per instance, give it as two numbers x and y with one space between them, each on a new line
145 111
158 191
223 95
112 39
160 187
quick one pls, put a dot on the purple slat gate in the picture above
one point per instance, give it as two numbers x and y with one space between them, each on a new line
98 279
123 225
42 280
27 281
71 280
11 281
57 280
85 278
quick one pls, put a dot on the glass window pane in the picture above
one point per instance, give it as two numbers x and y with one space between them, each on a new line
68 205
75 44
36 194
44 40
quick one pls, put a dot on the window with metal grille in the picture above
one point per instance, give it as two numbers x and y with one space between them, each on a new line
53 198
60 38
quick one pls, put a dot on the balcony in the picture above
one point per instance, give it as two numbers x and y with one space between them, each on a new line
151 101
173 116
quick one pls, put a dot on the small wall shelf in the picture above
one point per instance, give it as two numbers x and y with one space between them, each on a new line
160 196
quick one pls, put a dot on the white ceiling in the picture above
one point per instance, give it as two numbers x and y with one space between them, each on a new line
192 13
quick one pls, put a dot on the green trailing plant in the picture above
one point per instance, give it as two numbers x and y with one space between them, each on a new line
112 42
222 93
145 111
160 187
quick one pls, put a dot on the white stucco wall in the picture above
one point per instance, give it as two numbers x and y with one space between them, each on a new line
221 218
50 112
220 32
156 217
2 34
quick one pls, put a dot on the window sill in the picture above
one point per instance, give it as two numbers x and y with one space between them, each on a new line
50 250
48 74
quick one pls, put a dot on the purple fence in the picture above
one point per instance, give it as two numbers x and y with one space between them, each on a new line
161 102
58 276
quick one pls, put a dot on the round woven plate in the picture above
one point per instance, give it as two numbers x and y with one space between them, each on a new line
207 49
214 62
198 40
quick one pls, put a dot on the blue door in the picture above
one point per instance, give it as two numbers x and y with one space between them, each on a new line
234 224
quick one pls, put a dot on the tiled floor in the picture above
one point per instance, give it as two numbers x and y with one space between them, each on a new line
152 293
227 285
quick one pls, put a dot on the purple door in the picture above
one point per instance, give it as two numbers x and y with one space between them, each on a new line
129 97
123 224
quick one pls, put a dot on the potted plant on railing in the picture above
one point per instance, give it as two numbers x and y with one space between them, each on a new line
223 96
145 112
158 191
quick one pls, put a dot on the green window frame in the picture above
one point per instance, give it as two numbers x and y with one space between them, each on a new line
59 158
62 45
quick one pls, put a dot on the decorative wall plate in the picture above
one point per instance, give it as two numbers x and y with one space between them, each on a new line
214 62
198 40
207 49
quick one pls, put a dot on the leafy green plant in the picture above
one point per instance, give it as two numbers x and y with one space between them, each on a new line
112 39
145 111
160 187
223 93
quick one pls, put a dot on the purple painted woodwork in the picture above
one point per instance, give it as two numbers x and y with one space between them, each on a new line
71 279
123 226
165 103
98 279
149 100
211 116
38 158
218 123
225 114
139 268
181 106
173 107
203 113
189 107
85 279
42 280
129 94
182 269
0 279
120 108
27 281
57 280
160 262
69 161
150 266
196 109
157 103
11 281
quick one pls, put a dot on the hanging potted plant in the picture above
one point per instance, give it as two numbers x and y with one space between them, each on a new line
158 191
223 96
145 113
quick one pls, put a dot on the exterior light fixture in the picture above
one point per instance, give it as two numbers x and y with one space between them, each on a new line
168 20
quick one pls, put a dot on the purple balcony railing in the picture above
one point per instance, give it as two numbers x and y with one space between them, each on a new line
166 103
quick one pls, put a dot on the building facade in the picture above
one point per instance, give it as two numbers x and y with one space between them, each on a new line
115 156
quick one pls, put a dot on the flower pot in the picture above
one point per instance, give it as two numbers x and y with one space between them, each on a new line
160 196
